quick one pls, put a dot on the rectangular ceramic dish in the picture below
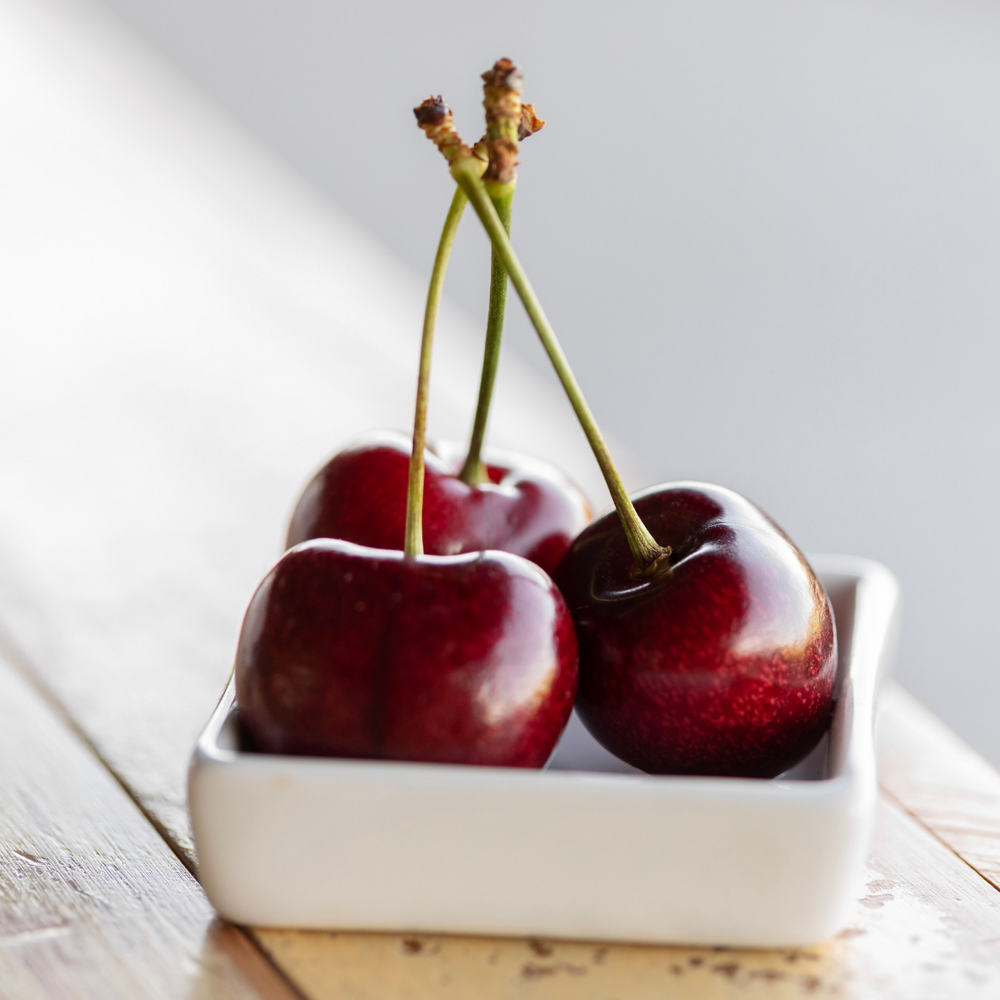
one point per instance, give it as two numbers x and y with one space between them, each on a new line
587 848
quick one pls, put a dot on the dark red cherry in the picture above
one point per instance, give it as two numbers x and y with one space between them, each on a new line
349 651
528 507
722 665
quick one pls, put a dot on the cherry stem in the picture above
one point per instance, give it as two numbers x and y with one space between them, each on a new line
650 558
413 544
473 472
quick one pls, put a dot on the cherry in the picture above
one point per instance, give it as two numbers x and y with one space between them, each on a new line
526 506
707 644
723 661
350 651
356 651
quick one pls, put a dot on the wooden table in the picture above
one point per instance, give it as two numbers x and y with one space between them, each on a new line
188 331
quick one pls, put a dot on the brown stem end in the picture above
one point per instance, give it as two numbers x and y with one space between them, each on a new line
530 123
435 118
504 77
659 565
502 86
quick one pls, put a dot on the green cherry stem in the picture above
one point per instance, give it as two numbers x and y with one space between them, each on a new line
650 558
502 85
413 544
473 473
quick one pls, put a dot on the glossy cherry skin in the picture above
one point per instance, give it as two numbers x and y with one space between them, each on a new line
349 651
725 664
528 508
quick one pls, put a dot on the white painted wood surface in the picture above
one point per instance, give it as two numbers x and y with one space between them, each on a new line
941 781
93 903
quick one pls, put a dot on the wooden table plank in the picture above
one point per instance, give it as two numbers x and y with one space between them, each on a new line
927 928
92 901
940 780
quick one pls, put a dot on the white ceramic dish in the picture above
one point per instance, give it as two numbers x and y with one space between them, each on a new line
588 848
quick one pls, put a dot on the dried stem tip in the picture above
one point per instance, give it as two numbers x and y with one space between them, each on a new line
504 76
530 123
434 117
432 111
502 87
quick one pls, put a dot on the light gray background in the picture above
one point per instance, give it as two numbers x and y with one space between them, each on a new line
767 232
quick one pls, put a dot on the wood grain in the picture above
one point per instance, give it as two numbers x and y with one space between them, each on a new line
940 780
927 928
92 901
